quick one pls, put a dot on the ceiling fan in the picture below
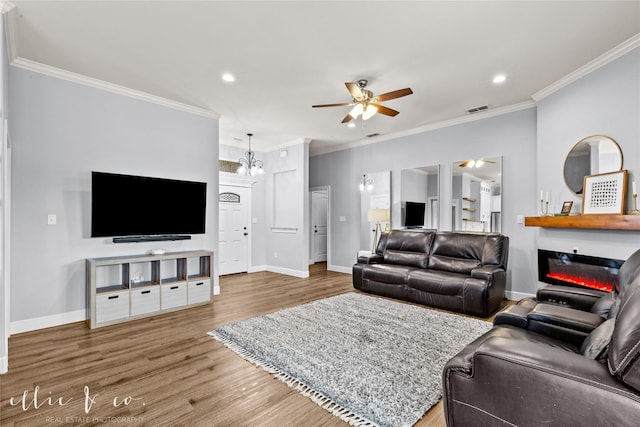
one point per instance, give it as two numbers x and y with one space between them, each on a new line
365 103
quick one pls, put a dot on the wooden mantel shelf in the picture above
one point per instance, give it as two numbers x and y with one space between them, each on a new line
602 222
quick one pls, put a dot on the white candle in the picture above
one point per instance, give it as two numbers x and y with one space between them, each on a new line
541 194
547 197
634 187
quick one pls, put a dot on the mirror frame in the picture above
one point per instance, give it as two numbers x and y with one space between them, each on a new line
381 195
429 221
474 206
584 141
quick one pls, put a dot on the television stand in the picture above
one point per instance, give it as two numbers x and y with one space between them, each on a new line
154 238
123 288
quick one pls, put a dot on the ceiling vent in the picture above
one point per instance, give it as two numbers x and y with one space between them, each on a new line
477 109
372 135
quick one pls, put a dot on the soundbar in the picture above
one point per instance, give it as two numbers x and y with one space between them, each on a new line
157 238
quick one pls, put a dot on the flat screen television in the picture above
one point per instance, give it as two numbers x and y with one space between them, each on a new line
128 205
414 214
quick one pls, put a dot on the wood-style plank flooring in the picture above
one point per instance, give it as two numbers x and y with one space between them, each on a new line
165 370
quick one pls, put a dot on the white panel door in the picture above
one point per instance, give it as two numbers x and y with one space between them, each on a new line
319 203
233 248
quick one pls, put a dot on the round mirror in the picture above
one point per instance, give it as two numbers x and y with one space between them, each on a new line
590 156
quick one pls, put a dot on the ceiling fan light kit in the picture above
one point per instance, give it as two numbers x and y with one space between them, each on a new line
365 104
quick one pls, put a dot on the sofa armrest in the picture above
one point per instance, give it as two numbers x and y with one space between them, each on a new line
485 272
574 297
370 259
527 380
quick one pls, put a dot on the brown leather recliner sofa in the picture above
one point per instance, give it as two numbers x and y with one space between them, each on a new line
463 272
513 375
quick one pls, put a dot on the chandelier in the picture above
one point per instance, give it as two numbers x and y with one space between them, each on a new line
249 165
366 183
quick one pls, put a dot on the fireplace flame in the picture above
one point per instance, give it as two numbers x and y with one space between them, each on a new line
593 284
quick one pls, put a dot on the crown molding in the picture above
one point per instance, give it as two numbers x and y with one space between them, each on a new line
6 6
110 87
9 12
439 125
604 59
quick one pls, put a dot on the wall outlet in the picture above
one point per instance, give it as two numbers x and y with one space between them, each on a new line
520 219
52 219
343 218
275 254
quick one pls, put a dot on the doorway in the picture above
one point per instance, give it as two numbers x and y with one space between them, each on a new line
319 203
233 245
320 230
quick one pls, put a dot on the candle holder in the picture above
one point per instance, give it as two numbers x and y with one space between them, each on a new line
544 208
635 210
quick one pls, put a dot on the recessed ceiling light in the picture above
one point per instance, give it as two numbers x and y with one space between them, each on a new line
228 77
351 125
499 78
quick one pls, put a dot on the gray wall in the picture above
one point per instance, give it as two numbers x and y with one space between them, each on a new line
512 136
265 242
533 144
258 209
607 101
61 131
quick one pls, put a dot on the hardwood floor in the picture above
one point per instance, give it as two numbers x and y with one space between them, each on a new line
166 370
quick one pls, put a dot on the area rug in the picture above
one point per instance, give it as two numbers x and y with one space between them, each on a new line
367 360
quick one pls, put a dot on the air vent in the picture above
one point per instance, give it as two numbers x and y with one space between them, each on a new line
477 109
371 135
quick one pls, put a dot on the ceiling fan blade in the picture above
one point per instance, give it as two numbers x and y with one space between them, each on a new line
342 104
355 91
347 118
393 95
386 110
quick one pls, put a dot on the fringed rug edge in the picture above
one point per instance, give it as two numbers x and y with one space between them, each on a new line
318 398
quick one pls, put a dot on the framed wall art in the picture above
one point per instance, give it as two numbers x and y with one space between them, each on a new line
605 193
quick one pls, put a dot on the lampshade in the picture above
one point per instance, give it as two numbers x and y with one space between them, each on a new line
356 111
369 112
378 215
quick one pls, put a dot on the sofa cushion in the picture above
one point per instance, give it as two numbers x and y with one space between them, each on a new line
597 342
409 248
627 272
437 282
457 252
624 349
386 273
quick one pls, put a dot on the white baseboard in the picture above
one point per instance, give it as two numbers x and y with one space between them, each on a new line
4 364
216 289
27 325
257 268
517 296
288 271
340 269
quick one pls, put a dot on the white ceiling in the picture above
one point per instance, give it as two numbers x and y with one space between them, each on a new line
287 56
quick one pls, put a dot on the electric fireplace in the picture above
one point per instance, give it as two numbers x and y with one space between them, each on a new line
561 268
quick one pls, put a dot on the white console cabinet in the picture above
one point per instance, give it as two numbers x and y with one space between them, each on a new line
123 288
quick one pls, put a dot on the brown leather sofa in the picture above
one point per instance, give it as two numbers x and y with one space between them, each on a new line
515 376
463 272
